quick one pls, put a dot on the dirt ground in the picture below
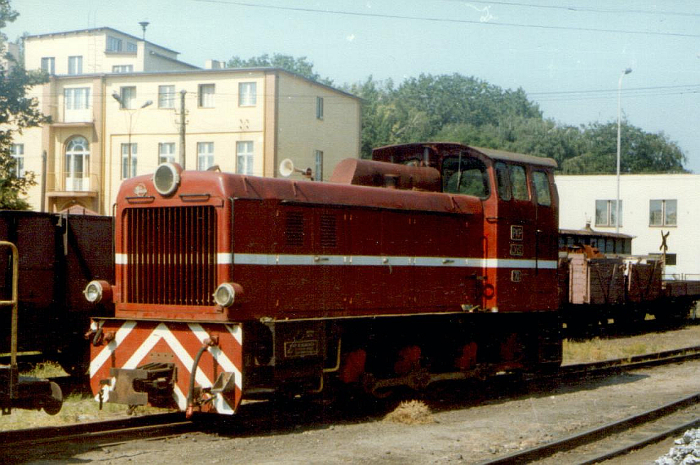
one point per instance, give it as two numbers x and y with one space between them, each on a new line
470 423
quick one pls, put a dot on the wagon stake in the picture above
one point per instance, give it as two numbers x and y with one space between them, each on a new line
208 342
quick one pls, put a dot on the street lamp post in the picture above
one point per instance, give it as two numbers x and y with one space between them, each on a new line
619 111
131 112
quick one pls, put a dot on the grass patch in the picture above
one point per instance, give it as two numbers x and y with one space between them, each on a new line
411 412
597 349
45 370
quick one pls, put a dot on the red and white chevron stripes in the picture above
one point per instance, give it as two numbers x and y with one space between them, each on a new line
135 343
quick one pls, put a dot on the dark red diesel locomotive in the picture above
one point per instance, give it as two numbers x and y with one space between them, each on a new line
429 262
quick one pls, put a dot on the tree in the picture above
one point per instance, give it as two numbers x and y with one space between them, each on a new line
17 112
641 152
300 65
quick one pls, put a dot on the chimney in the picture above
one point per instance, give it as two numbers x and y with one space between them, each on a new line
214 64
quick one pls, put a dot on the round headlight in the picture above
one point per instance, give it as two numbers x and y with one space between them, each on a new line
225 295
166 178
96 291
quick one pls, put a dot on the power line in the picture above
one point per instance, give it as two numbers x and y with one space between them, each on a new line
446 20
630 89
585 9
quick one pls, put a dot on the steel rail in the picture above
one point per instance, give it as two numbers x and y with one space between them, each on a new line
175 423
165 423
628 363
599 433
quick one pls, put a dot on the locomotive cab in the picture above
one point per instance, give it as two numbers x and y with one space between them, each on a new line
520 203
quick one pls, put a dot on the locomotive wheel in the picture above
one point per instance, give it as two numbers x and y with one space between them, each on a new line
75 360
52 404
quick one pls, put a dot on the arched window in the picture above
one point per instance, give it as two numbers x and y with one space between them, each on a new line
77 167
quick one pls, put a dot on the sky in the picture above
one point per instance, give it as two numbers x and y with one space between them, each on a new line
567 55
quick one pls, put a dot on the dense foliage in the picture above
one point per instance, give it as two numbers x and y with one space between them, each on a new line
457 108
17 112
287 62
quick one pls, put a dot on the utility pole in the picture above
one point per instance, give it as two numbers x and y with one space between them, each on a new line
182 128
43 180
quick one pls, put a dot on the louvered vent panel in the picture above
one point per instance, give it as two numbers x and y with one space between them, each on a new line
294 229
171 255
329 234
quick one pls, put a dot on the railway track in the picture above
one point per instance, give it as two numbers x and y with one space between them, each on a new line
648 427
173 424
16 444
628 363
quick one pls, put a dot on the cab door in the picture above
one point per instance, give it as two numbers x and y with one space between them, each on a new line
514 231
546 223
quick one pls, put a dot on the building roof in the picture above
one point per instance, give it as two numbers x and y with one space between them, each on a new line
207 71
98 29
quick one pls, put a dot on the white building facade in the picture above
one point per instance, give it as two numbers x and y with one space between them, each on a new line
650 205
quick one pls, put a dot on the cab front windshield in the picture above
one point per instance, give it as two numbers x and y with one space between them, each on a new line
465 175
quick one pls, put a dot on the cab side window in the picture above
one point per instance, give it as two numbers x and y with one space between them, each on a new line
540 185
503 181
518 182
469 178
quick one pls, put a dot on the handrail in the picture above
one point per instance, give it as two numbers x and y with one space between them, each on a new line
13 302
6 303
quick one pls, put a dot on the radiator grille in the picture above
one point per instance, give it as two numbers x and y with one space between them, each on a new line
329 235
294 229
171 255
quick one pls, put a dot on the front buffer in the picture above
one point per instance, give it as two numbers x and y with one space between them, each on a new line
137 362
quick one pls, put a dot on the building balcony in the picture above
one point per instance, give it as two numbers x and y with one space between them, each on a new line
76 185
73 118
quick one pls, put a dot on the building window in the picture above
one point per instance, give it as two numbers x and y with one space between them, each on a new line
206 95
244 157
319 107
48 65
671 258
114 44
318 173
166 152
127 97
77 164
77 98
205 155
131 47
663 212
166 96
17 152
75 65
123 68
606 212
247 94
126 153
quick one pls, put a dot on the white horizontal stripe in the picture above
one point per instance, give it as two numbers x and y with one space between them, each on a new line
374 260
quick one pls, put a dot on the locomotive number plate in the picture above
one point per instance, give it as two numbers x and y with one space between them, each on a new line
516 276
516 233
517 250
298 349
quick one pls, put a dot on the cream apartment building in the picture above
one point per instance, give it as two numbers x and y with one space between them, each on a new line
120 113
